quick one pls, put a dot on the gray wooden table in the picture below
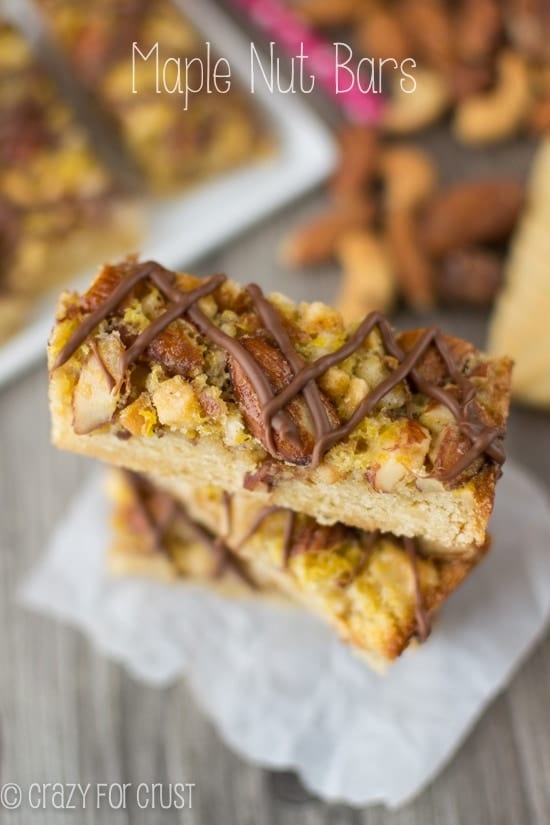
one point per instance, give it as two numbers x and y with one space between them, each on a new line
68 715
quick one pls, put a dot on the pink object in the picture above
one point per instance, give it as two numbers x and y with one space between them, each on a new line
281 25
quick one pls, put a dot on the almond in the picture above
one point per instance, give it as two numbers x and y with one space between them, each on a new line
315 242
96 392
296 447
469 213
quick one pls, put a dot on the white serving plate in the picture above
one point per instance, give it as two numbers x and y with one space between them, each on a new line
182 229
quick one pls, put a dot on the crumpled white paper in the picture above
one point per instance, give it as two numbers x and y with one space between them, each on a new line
281 688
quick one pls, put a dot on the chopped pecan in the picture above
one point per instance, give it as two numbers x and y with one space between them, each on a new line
175 351
103 285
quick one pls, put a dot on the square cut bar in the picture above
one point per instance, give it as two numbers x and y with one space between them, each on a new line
378 592
59 205
212 382
171 146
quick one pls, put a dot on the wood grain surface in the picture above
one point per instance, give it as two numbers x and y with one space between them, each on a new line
69 715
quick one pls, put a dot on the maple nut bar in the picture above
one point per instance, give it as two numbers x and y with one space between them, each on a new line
171 147
59 205
378 592
210 381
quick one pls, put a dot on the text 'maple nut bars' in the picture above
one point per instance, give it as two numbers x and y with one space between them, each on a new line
173 376
59 206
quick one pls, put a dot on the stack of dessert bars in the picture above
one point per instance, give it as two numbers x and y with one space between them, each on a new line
266 448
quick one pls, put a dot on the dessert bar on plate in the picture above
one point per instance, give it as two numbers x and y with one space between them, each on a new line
214 383
378 592
59 207
173 140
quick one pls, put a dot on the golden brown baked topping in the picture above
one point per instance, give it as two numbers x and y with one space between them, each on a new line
297 406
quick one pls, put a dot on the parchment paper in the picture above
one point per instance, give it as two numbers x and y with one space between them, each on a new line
282 690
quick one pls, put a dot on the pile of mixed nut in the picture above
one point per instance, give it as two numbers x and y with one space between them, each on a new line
486 63
397 233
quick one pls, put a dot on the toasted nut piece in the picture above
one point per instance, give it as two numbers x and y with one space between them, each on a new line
411 112
528 27
101 288
176 404
315 242
470 276
175 351
432 366
429 26
413 268
539 117
296 450
359 160
328 13
469 213
96 392
499 113
479 29
467 79
381 35
368 282
140 417
409 175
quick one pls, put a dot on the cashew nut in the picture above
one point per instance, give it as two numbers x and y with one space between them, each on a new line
500 113
368 282
410 177
411 112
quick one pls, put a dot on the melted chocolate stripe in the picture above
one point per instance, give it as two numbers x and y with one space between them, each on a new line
156 529
423 627
287 536
176 511
260 383
312 395
94 318
256 524
176 310
483 440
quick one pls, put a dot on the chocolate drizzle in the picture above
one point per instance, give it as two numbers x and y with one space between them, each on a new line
367 541
484 439
174 512
423 627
